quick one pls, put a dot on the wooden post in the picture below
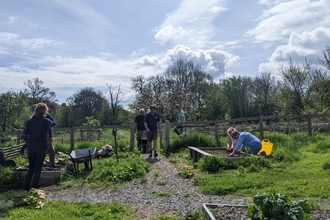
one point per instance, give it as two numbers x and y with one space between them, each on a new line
131 127
309 123
161 142
216 132
167 135
99 133
18 136
71 138
261 126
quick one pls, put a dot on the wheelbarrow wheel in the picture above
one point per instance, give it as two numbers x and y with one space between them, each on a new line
24 151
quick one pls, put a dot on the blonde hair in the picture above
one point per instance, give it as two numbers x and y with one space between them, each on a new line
231 130
40 109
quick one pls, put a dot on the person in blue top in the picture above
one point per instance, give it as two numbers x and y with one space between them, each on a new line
178 129
152 125
37 134
246 139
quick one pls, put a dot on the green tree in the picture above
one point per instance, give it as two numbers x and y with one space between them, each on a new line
216 105
296 80
264 91
14 110
318 100
85 103
239 96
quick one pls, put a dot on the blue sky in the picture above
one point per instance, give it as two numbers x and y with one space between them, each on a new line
71 44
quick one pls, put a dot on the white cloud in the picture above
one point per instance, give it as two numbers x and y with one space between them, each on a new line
279 21
12 19
16 41
190 24
300 46
212 61
300 28
147 61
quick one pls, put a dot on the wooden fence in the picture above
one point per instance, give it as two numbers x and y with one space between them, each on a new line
283 123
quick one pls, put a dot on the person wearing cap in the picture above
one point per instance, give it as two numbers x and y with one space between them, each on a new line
178 129
246 139
37 133
139 127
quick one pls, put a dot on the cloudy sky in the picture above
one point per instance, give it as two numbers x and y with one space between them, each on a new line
73 44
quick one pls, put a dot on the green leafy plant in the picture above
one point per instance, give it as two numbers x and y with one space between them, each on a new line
275 206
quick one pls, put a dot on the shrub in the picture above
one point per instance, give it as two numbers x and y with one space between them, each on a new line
211 164
9 180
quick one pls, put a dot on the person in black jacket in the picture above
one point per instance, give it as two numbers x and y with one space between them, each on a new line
139 128
36 131
152 125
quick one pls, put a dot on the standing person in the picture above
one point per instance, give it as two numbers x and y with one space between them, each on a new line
246 139
51 149
152 124
178 129
36 131
139 128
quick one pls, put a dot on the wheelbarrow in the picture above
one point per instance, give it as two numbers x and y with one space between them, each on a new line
82 156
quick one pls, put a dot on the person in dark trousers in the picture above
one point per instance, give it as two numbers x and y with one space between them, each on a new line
139 128
51 149
37 132
152 125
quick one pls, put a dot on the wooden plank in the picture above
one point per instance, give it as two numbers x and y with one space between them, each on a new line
13 151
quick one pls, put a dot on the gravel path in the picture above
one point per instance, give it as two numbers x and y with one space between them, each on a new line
182 197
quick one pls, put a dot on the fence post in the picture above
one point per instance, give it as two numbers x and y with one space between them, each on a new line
72 138
18 136
167 135
261 126
132 135
216 132
309 123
